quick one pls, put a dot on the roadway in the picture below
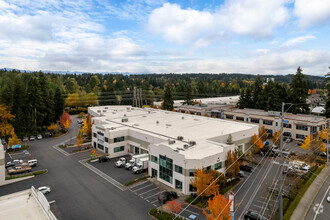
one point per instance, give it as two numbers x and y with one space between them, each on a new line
317 212
78 192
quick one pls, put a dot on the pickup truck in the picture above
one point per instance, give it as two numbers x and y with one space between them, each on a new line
246 168
19 169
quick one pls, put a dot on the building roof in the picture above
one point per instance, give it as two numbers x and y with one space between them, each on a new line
169 125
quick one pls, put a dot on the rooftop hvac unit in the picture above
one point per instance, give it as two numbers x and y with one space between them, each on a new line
192 143
180 138
98 111
186 146
182 117
171 141
112 128
124 115
124 120
176 151
104 110
149 112
106 107
157 122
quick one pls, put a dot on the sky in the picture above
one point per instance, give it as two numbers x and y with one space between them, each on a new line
159 36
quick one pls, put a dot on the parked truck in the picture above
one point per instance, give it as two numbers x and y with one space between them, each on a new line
121 162
135 159
141 166
19 169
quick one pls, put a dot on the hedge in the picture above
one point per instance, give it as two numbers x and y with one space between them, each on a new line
161 215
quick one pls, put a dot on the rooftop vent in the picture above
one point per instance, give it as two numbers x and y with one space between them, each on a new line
144 116
157 122
113 112
98 111
112 128
168 125
104 110
128 108
182 117
124 115
171 141
180 138
186 146
149 112
192 143
106 107
176 151
135 125
124 120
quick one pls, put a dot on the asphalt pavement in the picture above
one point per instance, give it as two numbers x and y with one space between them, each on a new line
78 192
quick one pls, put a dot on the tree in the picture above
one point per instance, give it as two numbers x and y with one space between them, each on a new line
80 137
277 138
314 143
298 93
58 103
221 178
188 96
13 140
65 121
257 92
168 98
256 142
54 127
6 118
219 205
202 181
232 165
229 140
263 133
173 206
72 100
87 127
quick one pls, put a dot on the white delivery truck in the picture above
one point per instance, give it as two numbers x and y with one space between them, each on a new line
135 159
141 166
121 162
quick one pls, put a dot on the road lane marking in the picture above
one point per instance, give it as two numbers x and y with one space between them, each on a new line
318 209
148 191
61 151
103 175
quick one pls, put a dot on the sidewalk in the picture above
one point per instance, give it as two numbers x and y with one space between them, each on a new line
308 198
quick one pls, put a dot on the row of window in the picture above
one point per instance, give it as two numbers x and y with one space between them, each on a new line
115 140
118 149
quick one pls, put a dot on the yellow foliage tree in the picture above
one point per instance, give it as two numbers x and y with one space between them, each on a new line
87 127
202 181
80 137
72 100
256 142
6 118
263 133
13 140
219 208
277 138
54 127
307 143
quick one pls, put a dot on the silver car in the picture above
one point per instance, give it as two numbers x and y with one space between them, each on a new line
44 189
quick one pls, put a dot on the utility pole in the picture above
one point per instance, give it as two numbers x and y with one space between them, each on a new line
281 167
327 144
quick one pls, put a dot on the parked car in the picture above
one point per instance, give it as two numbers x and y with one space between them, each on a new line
80 121
44 189
246 168
241 174
13 163
47 134
250 215
103 159
39 137
32 138
300 143
328 198
25 139
167 196
3 141
288 140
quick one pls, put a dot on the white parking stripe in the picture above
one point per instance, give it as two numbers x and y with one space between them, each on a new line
138 184
258 206
142 188
154 194
190 211
154 201
148 191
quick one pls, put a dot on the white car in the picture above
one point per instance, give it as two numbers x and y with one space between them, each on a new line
44 189
328 198
39 137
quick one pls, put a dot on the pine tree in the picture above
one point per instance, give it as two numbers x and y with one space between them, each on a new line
168 98
257 93
299 93
58 103
188 96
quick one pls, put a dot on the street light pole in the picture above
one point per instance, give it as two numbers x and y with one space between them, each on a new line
281 167
327 144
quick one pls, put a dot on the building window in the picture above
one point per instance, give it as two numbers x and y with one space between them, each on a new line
276 124
178 169
217 166
286 125
239 118
229 116
106 139
191 172
313 129
100 146
154 159
192 188
269 132
207 168
267 122
166 168
118 149
287 134
302 127
254 120
100 133
178 184
300 136
94 143
94 135
118 139
106 150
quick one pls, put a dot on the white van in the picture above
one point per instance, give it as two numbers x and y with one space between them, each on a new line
33 163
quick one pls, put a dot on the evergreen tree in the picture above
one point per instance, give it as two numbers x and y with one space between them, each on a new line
257 93
188 96
58 104
298 93
168 98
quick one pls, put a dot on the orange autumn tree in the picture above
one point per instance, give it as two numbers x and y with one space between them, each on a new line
277 138
256 142
201 182
263 134
13 140
6 118
65 121
54 128
80 137
173 206
232 164
88 126
219 204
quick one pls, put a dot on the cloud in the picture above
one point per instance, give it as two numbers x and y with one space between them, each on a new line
312 12
297 40
255 18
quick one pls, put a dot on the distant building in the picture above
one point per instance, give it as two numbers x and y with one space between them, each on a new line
177 144
270 79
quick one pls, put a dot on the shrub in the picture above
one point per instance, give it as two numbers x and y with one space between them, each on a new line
162 215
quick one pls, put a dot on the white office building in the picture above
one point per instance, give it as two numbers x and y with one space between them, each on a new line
178 144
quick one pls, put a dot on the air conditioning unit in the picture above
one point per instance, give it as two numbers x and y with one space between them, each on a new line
186 146
182 117
157 122
105 107
171 141
192 143
124 120
180 138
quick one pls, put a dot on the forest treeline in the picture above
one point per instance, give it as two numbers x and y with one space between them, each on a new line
38 99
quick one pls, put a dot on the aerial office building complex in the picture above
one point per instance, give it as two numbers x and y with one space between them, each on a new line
177 144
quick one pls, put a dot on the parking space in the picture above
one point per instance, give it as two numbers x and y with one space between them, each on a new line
293 147
121 175
21 155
